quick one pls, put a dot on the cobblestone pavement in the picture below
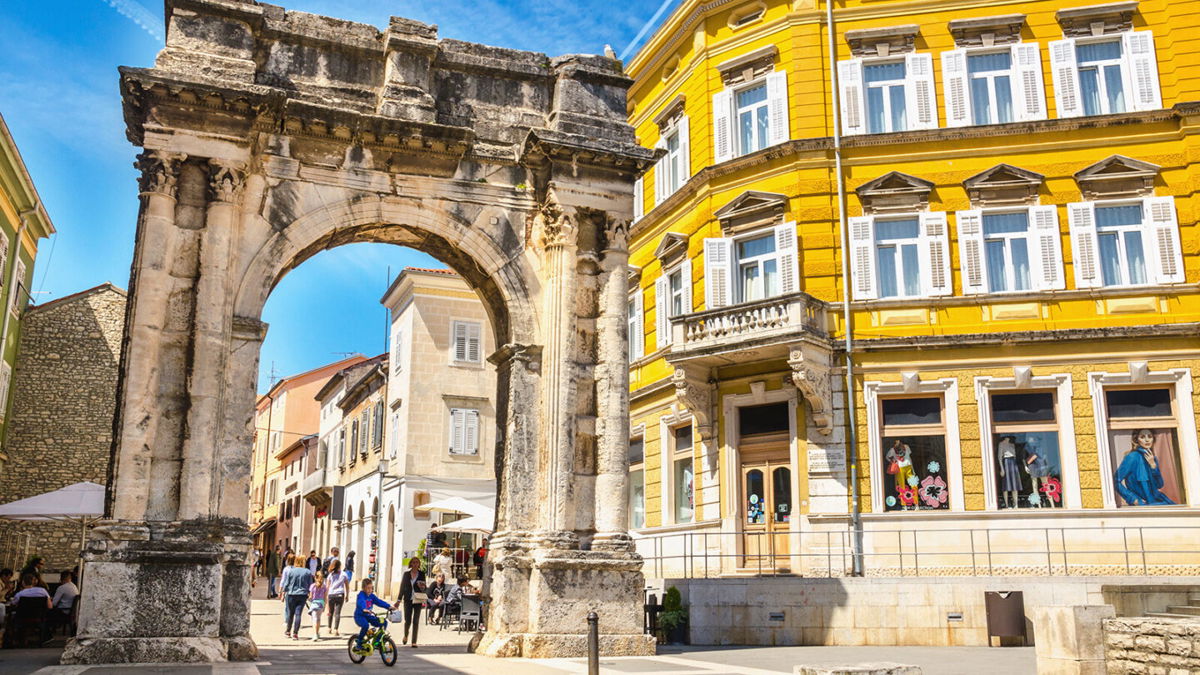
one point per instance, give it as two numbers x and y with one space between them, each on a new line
444 652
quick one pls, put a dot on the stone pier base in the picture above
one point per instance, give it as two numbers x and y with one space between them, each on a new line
562 645
170 592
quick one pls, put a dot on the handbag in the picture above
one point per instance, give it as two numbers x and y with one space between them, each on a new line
894 467
396 616
419 596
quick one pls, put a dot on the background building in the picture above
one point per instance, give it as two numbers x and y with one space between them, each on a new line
285 414
993 238
23 222
60 424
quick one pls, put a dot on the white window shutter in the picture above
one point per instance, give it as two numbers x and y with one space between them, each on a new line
777 108
785 246
935 254
1046 268
662 311
1141 70
471 432
970 251
685 149
862 257
919 97
1065 76
639 204
686 274
474 343
638 339
956 88
456 430
1030 99
722 126
1085 247
718 272
1161 237
460 341
662 186
853 98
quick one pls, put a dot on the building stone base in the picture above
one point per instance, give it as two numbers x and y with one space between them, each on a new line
562 645
165 592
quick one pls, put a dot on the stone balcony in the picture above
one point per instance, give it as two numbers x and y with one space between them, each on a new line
315 488
750 331
791 328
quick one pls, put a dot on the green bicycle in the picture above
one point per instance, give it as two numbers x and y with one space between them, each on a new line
377 639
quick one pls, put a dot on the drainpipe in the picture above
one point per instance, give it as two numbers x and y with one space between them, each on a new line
856 554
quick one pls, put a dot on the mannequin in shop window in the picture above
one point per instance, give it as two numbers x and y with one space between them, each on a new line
1139 480
1039 471
899 459
1010 471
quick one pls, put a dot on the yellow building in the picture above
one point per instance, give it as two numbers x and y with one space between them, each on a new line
1008 191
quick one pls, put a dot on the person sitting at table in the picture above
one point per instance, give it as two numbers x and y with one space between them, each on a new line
34 567
29 589
454 597
64 599
8 585
436 599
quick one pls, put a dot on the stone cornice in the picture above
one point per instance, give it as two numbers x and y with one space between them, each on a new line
1026 337
793 148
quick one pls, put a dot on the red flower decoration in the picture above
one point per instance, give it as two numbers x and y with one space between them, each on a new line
1053 489
907 495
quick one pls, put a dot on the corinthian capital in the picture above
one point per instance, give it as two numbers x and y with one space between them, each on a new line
553 227
160 171
225 179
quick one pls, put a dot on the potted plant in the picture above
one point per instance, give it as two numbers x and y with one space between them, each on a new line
672 621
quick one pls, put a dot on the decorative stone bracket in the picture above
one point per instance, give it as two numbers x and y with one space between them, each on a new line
693 391
811 375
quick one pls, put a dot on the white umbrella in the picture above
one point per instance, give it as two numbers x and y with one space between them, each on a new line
480 524
455 505
81 503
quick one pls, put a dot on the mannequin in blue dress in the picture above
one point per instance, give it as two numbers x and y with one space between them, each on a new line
1139 480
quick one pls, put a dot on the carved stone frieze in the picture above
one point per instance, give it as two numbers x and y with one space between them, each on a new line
553 227
160 171
811 375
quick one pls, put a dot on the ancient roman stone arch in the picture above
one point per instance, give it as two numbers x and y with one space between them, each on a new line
269 136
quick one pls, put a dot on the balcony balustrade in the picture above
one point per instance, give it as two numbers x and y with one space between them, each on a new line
757 323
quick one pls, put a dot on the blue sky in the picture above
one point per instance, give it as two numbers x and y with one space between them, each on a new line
59 96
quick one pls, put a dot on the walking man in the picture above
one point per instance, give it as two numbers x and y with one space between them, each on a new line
272 572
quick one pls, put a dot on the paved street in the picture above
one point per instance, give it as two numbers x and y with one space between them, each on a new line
444 651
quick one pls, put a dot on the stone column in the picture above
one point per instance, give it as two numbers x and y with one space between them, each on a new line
210 341
146 315
554 237
612 391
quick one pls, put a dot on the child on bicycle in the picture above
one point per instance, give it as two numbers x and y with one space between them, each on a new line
363 616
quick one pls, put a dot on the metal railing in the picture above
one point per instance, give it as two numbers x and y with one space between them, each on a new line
998 551
782 314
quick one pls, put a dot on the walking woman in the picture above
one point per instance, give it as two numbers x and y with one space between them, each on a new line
412 592
296 580
338 580
349 566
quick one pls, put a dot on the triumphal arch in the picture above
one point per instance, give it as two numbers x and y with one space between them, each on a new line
270 136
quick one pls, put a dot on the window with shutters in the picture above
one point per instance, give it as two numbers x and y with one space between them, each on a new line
467 347
673 169
397 343
377 427
637 483
896 248
1105 74
991 87
752 118
900 256
755 266
464 431
1126 243
750 113
1006 251
673 297
364 427
758 268
18 289
341 446
1010 250
394 443
3 260
5 378
354 430
633 319
885 97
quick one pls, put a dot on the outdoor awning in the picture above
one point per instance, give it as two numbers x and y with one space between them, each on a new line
81 502
455 505
269 522
481 524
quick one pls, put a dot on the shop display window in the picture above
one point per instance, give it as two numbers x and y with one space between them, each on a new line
1025 451
913 455
1144 442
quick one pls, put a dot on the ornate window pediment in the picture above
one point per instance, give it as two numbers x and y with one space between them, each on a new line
1117 177
987 31
748 67
633 275
671 113
671 249
894 192
1004 185
882 42
1113 17
752 209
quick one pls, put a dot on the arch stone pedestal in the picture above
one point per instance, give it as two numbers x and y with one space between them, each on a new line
270 136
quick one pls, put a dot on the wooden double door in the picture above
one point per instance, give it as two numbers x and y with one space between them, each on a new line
767 506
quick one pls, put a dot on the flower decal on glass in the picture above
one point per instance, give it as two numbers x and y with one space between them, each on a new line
891 501
913 481
934 467
933 491
908 496
1053 489
1035 499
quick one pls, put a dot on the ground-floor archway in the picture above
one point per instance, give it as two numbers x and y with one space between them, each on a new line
513 169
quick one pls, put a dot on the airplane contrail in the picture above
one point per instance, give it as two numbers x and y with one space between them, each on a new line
138 14
646 28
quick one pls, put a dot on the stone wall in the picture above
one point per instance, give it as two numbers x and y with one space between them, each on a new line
1152 646
918 611
64 394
